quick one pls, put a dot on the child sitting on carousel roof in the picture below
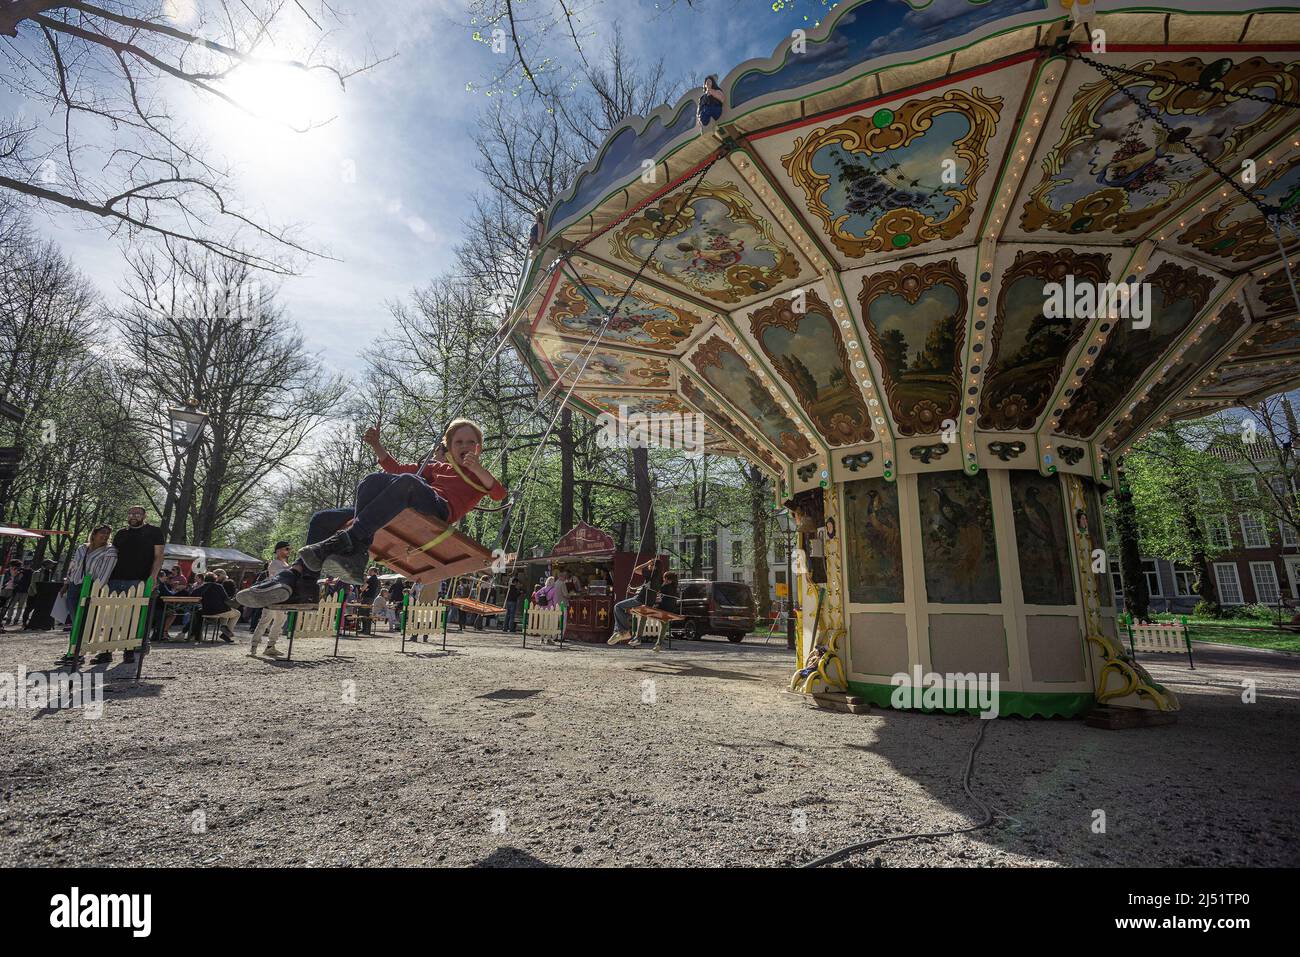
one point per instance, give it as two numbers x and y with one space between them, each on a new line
446 487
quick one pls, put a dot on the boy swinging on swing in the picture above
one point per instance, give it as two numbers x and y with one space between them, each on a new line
447 487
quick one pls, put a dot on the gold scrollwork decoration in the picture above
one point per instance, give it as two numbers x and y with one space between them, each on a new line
898 228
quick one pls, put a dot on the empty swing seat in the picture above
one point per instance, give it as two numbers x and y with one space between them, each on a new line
424 549
473 607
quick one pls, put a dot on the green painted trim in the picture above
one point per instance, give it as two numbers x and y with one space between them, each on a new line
1023 704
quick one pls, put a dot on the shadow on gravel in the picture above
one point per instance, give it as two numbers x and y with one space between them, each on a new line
511 857
300 663
695 671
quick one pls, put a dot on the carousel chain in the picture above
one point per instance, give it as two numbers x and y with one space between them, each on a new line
1145 109
1198 85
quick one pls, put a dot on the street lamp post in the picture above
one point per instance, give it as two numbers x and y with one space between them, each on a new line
186 426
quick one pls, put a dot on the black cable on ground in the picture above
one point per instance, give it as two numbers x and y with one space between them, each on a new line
965 786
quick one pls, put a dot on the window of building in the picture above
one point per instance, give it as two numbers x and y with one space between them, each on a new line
1216 529
1252 530
1152 574
1116 579
1288 533
737 553
1184 581
737 576
780 576
1264 575
778 550
1225 574
1243 489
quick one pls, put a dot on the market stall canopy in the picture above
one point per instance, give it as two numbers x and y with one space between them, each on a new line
849 274
583 541
19 532
211 556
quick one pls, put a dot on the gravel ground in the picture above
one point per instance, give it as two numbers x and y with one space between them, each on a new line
593 756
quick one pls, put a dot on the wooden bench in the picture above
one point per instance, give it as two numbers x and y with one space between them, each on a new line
424 549
1160 638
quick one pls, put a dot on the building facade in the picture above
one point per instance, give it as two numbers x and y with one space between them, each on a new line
1256 554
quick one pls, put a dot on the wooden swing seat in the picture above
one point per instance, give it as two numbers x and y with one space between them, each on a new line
659 614
423 549
470 606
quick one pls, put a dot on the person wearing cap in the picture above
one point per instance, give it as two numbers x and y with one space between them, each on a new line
275 621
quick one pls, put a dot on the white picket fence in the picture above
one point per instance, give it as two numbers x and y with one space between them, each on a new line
655 628
318 622
544 622
113 619
1162 638
425 618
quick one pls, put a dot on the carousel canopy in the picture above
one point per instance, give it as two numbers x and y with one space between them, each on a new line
953 234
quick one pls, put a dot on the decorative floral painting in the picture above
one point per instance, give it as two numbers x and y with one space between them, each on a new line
808 352
916 321
1042 539
873 544
605 368
876 181
1236 232
961 560
716 244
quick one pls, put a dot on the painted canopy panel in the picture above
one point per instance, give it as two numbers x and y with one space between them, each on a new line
906 174
1115 162
713 240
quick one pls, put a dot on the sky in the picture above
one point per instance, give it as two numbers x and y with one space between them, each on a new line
385 185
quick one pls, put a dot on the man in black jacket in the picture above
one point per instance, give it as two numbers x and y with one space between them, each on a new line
215 603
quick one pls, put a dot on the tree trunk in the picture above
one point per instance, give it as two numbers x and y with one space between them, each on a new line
566 470
1137 599
641 482
1205 585
758 516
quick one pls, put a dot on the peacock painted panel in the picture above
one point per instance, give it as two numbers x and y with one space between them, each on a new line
1042 541
961 562
873 546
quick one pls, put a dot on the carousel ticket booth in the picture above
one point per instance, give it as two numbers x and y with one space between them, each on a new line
589 555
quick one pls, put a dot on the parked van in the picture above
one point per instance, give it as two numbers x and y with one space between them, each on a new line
717 608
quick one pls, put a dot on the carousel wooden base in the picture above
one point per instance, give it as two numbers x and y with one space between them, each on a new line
406 545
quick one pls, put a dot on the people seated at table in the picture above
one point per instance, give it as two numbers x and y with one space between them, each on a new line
215 603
